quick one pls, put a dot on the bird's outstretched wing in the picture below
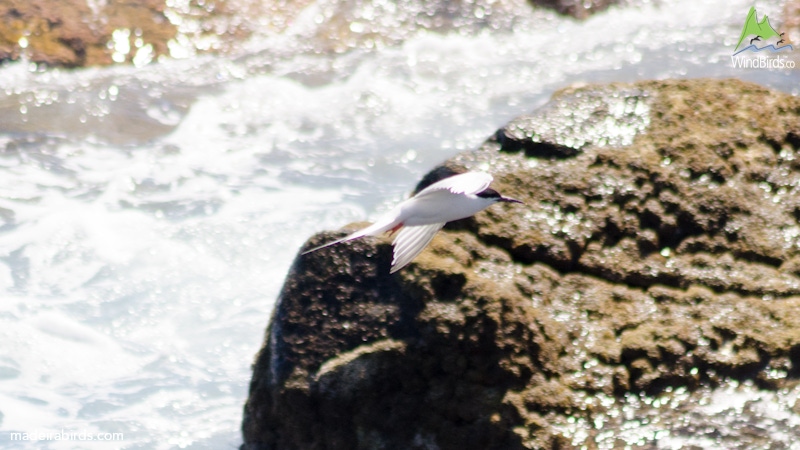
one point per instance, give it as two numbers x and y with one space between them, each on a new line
410 242
469 183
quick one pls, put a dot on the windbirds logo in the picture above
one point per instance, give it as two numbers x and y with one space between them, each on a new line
759 36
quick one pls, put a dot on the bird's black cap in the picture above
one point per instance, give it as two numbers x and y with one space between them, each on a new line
490 193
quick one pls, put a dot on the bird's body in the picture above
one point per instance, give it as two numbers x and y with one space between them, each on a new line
419 218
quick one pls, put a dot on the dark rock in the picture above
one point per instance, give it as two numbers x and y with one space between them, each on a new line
580 9
661 255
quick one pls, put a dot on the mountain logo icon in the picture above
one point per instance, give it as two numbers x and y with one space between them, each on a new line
760 36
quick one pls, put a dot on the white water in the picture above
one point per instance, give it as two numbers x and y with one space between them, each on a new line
148 215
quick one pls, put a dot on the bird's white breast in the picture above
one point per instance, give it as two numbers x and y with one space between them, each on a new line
441 206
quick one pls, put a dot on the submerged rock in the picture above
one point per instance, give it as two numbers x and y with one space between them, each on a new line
76 33
658 257
580 9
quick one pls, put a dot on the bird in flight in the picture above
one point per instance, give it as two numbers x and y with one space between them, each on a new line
419 218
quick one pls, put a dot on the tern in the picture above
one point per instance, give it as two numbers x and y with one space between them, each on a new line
419 218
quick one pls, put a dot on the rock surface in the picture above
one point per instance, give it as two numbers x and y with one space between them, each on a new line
70 33
74 33
658 252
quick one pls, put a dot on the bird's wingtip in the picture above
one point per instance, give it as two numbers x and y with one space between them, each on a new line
313 249
328 244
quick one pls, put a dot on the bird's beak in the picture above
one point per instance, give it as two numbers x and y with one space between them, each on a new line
510 200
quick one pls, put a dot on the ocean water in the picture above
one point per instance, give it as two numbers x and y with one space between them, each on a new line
149 214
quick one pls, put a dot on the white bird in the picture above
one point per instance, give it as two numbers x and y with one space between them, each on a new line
420 217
